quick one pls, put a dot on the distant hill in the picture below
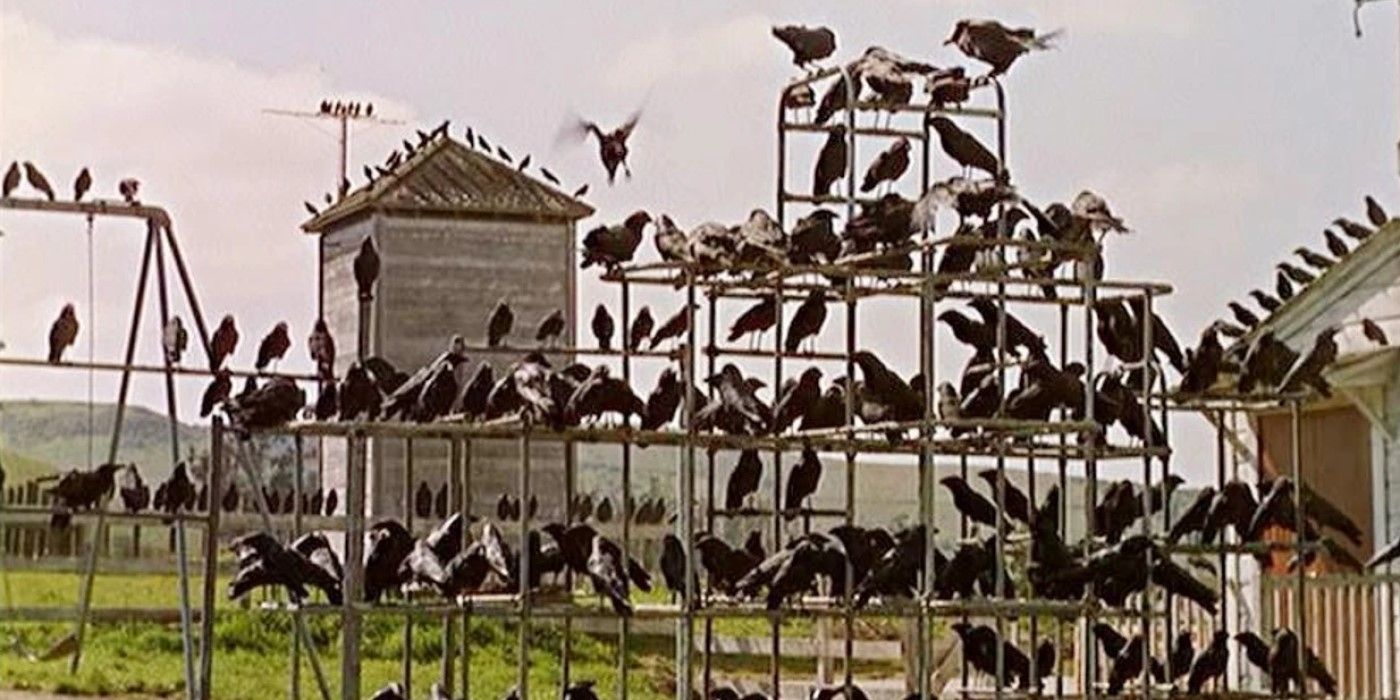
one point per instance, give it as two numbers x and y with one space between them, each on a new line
48 436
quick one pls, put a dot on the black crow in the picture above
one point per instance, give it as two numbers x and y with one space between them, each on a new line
612 145
796 397
663 401
807 321
963 148
81 184
37 180
814 239
62 333
888 166
831 161
12 178
995 44
1308 369
673 327
275 403
640 329
756 319
366 269
216 392
274 346
802 481
1353 229
1210 664
743 479
808 44
602 325
222 345
970 503
1018 505
550 328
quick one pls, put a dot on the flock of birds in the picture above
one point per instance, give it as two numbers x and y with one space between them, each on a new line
462 556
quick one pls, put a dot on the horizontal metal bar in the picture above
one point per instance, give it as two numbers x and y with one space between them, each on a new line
746 352
768 512
96 207
557 350
95 614
859 131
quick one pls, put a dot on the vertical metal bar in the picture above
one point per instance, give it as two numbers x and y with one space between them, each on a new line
182 558
1299 546
570 465
466 476
356 458
449 637
708 662
1223 684
523 683
923 683
686 507
297 495
775 623
90 559
624 622
185 283
1145 395
408 517
211 561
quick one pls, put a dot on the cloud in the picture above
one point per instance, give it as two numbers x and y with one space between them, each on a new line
192 129
723 47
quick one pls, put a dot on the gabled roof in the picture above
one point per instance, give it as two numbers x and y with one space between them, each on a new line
1358 268
448 178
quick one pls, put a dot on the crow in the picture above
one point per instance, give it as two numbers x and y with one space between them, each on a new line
802 481
970 332
12 178
1296 274
671 242
640 329
744 479
807 321
272 404
1353 229
1203 363
672 564
673 327
1317 260
980 645
831 161
734 407
995 44
273 346
814 239
440 502
321 347
828 411
1092 209
602 325
1267 363
1018 505
1308 369
366 268
888 166
1244 316
808 44
499 323
82 184
611 246
216 392
1283 661
358 395
222 345
796 397
1183 651
1373 332
756 319
317 549
79 490
550 328
601 393
1234 506
1018 334
612 145
760 241
963 148
62 333
1283 286
1256 650
664 400
1195 516
1210 664
37 180
970 503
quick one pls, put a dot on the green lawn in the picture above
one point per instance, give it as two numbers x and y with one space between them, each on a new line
252 661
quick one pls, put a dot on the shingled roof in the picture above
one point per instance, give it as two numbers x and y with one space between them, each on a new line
448 178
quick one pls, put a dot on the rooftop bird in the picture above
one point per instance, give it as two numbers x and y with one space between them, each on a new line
612 145
499 323
1283 286
743 479
611 246
1265 301
1373 332
12 178
366 269
1358 231
831 162
888 166
602 326
273 346
995 44
82 184
1244 316
62 333
222 345
37 180
808 45
1203 365
807 321
1317 260
550 328
1308 369
1295 273
1335 245
1375 213
964 148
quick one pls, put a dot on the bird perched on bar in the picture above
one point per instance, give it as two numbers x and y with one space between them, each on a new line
223 343
1210 664
964 148
1203 363
970 503
1295 273
179 493
602 393
808 44
891 397
321 346
1018 505
807 321
531 379
37 180
802 481
134 492
366 268
756 319
1353 229
888 165
743 479
1335 245
664 400
673 327
713 246
995 44
357 395
831 162
12 178
671 242
82 184
62 333
128 188
1308 369
602 325
423 500
796 397
1244 316
1313 258
979 647
814 239
262 561
1093 208
274 346
218 391
80 490
611 246
499 323
275 403
836 98
735 408
1283 286
316 547
1018 334
760 241
174 339
550 328
612 145
388 544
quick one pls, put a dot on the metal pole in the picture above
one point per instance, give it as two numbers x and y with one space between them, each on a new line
356 456
685 640
90 560
523 683
408 513
211 560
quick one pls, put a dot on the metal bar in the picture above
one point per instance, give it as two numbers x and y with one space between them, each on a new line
356 466
95 207
190 297
623 625
298 493
409 508
686 512
186 628
137 368
90 562
526 599
211 560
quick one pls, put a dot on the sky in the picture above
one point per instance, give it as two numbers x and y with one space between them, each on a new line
1225 133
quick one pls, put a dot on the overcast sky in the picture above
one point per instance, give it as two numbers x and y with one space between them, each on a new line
1226 133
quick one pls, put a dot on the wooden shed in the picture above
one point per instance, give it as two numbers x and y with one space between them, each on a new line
457 230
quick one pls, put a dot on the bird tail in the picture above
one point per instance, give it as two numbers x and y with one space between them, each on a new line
1047 40
55 354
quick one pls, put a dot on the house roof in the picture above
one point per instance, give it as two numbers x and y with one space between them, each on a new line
447 178
1351 272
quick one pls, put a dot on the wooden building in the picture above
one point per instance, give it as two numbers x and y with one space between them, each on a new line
457 231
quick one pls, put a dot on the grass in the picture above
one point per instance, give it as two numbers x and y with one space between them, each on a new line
253 653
